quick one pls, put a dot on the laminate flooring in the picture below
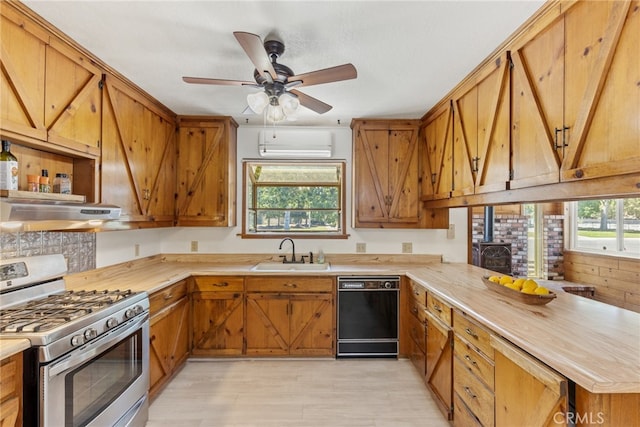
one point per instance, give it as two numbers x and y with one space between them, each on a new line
296 392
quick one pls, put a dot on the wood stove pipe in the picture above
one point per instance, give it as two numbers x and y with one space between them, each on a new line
488 224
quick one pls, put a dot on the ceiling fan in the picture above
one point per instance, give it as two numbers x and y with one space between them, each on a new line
277 80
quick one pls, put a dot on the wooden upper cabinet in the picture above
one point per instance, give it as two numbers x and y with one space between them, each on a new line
73 99
206 167
138 156
481 131
437 178
386 173
22 54
575 109
50 90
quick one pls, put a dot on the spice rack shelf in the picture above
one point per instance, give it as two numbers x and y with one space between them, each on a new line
18 194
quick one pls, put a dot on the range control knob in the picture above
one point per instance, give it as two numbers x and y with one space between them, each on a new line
129 313
90 334
138 309
112 322
388 285
77 340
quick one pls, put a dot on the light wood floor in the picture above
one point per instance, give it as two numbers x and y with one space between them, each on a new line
295 392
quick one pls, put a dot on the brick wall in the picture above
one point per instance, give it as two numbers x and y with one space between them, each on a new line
78 248
553 247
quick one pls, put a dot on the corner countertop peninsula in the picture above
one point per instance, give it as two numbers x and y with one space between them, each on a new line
595 345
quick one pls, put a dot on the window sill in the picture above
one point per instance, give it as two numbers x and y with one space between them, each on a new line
293 235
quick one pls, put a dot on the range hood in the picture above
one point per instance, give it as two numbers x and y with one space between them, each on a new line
24 214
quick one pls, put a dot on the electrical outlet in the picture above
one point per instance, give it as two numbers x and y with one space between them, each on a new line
194 246
451 231
407 248
136 249
361 248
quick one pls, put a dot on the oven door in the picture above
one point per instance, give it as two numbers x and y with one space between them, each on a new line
103 383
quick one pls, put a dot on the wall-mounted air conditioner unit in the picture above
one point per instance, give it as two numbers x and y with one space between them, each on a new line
295 143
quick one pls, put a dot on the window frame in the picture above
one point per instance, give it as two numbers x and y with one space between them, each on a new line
342 188
572 244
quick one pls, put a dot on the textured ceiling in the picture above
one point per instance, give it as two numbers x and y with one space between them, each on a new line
408 54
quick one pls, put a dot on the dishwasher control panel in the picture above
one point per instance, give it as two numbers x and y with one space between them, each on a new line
372 282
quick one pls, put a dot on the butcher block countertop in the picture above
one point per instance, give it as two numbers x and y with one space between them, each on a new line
593 344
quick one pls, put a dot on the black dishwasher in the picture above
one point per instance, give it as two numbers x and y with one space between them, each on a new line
368 308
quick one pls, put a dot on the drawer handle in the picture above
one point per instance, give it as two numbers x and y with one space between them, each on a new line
437 308
416 293
473 362
470 332
168 296
469 392
221 285
290 285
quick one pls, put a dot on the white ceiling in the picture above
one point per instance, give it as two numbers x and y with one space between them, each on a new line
408 54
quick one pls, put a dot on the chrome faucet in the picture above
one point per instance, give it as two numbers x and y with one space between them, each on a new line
293 253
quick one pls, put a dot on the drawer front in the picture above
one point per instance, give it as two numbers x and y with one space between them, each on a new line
289 284
167 296
417 331
218 284
481 367
478 398
439 309
418 293
472 332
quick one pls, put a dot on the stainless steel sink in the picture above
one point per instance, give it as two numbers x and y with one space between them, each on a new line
279 266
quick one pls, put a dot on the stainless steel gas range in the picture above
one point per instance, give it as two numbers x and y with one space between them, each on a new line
88 364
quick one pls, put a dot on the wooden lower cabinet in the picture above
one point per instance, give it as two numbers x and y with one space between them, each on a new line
527 392
416 326
11 391
290 315
168 334
439 358
217 312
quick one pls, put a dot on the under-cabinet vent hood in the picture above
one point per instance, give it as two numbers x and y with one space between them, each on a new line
23 214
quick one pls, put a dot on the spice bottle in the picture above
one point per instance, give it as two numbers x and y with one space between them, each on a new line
33 183
62 184
8 168
45 187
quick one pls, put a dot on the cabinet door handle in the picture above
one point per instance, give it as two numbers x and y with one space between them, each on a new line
469 392
221 285
168 296
473 362
437 308
290 285
414 310
470 332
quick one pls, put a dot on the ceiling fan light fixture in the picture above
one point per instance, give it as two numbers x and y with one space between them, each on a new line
257 101
289 103
275 113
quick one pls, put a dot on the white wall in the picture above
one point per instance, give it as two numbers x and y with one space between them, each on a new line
119 246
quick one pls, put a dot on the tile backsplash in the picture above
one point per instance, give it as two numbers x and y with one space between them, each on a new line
78 248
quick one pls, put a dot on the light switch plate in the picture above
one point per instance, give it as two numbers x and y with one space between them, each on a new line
407 248
194 246
361 248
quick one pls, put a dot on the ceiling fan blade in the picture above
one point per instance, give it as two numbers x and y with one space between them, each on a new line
206 81
311 102
253 46
328 75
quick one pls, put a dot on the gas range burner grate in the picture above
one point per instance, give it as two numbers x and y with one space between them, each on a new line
54 310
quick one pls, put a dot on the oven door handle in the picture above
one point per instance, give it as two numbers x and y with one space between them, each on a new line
90 350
